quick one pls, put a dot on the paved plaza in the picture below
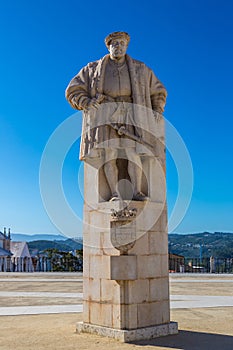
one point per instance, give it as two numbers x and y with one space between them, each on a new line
34 306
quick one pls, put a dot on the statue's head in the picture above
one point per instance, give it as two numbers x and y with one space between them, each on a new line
117 43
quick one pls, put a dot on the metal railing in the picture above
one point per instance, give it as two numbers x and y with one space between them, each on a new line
204 265
45 264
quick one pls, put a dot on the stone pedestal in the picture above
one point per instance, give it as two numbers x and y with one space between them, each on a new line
125 277
127 336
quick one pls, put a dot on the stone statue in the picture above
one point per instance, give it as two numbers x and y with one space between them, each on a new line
122 82
125 240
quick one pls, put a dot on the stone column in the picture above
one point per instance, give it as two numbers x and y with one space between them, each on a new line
5 264
18 264
125 276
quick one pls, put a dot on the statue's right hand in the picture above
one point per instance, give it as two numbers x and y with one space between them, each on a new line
93 103
74 102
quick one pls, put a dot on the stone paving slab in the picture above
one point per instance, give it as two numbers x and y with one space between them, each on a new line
177 302
202 275
199 301
181 301
79 280
65 275
41 280
183 280
39 310
41 327
41 294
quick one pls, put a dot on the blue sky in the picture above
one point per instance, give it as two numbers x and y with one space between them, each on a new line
44 44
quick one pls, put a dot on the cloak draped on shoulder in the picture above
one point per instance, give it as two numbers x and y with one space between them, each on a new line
148 97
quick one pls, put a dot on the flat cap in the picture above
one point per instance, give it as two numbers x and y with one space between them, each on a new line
116 35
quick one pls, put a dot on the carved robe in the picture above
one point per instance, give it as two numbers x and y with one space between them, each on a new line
148 97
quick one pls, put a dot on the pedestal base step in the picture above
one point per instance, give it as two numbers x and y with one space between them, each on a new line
127 336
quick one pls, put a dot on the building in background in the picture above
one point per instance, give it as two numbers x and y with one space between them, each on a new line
176 263
5 254
14 256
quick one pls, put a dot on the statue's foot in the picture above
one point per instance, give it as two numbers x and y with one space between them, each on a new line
114 197
140 196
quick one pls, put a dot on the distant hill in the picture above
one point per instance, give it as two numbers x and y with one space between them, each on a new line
39 246
36 237
206 244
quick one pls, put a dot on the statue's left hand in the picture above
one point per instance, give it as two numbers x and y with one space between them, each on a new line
158 116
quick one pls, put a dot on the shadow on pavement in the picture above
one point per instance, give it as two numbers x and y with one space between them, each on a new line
187 340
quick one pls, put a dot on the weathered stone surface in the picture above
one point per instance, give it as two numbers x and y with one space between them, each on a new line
149 266
91 289
106 245
164 265
100 314
158 289
86 312
153 313
130 316
126 289
138 291
124 267
100 266
127 336
158 242
141 246
118 79
110 292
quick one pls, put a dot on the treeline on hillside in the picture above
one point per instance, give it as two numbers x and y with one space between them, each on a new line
65 246
206 244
